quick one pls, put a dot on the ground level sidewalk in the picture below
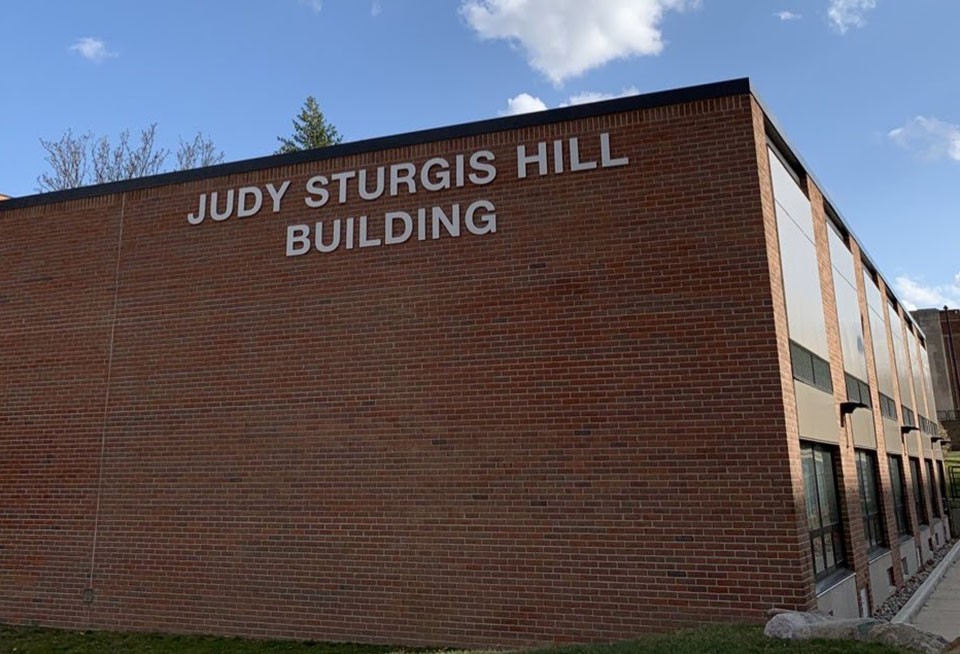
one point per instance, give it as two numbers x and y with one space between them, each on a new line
941 612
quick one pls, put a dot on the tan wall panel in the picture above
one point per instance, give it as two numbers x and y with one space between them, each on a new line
913 444
848 308
878 330
891 436
864 433
880 579
841 600
798 258
815 411
900 351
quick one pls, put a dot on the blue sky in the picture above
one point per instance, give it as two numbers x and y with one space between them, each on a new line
866 90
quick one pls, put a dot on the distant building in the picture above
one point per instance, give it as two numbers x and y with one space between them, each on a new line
942 328
567 376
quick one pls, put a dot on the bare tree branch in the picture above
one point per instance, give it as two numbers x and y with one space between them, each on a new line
197 153
67 158
77 160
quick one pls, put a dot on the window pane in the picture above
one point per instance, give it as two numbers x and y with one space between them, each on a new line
853 389
810 488
830 555
821 372
828 488
818 562
802 363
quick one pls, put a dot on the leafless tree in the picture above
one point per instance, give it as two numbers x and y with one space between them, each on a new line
78 160
67 158
197 153
114 163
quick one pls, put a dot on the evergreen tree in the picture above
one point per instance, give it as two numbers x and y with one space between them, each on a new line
310 130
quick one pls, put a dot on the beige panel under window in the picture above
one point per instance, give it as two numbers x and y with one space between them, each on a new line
891 436
816 414
864 433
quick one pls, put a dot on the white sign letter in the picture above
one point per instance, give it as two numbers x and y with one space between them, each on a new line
243 211
605 160
390 237
298 240
488 220
478 163
315 186
523 160
277 194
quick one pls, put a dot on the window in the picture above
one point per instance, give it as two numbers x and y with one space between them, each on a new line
943 486
809 368
928 426
857 391
888 408
899 494
908 418
917 486
931 487
823 512
870 500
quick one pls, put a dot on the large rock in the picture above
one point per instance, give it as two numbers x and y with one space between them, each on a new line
804 626
907 637
953 647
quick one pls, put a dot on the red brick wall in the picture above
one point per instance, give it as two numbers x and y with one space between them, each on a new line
572 429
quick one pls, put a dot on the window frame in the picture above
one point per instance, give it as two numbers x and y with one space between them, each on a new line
868 483
932 489
898 491
920 505
888 407
857 390
820 376
828 527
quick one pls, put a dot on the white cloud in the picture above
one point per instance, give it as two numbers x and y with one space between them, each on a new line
915 294
376 9
931 138
788 15
523 104
92 49
845 14
592 96
526 103
315 5
565 38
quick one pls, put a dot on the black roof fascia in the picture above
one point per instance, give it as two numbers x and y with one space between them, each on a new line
631 103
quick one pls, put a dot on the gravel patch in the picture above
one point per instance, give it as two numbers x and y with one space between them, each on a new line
893 605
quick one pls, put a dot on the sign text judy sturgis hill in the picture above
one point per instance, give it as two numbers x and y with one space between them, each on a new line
426 223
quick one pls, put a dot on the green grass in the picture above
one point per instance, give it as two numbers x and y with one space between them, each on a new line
707 640
726 640
32 640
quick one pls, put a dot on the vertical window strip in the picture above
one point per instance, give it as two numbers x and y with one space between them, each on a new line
899 493
823 512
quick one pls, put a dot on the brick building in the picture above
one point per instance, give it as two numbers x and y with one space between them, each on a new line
573 375
942 327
